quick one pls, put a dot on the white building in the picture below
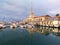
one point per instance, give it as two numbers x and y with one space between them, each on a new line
56 21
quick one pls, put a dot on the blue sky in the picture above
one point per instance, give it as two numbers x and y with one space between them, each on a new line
19 9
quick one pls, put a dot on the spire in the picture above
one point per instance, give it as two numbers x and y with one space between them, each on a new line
31 12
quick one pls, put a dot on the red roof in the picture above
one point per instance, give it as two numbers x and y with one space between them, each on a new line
41 16
57 17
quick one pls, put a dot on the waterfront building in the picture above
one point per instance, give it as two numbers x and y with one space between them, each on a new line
45 20
41 20
56 21
30 19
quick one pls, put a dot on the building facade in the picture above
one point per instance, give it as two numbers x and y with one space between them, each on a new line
45 20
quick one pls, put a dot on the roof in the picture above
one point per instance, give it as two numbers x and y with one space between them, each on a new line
47 16
57 17
38 16
42 16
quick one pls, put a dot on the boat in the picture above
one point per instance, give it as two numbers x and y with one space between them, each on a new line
13 26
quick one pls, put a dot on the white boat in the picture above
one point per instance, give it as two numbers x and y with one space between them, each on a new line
30 26
22 26
12 26
2 26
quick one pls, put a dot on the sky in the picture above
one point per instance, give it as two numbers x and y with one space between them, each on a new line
16 10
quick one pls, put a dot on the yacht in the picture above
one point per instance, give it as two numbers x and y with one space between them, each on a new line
13 26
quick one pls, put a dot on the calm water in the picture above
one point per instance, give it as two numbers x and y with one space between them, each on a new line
24 37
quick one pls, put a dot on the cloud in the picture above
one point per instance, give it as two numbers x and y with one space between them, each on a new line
54 11
7 6
20 8
13 10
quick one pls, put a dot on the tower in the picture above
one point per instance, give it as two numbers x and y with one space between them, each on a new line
31 13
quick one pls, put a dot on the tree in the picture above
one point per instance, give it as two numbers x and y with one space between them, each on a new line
57 14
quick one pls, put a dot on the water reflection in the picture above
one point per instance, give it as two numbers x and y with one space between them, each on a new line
44 36
45 31
42 30
1 30
31 36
